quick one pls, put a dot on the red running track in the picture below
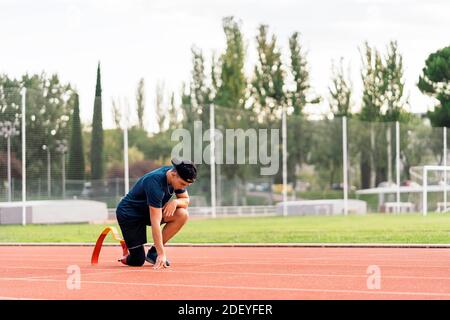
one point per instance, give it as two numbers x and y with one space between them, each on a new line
269 273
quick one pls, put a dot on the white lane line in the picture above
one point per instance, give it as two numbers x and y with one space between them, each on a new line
17 298
264 274
402 264
397 293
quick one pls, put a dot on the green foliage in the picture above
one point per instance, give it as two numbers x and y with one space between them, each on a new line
49 105
435 82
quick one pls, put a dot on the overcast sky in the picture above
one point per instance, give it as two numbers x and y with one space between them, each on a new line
152 39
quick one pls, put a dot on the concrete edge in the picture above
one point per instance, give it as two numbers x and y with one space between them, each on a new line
270 245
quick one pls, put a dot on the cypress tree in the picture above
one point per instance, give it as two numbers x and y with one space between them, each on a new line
76 156
97 133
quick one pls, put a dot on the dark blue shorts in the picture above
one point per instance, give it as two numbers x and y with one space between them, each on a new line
134 231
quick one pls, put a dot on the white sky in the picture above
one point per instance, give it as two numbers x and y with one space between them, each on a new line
152 39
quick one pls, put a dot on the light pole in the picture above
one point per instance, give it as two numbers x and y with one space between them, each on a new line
49 174
8 130
62 148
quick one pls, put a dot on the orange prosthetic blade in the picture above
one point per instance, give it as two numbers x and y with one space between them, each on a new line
99 243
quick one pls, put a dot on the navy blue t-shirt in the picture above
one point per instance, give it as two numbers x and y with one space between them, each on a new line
151 189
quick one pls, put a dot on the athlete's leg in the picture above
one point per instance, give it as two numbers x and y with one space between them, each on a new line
174 223
136 258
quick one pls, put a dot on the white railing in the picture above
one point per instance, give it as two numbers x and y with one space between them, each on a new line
234 211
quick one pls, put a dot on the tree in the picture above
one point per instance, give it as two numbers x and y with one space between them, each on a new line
435 82
75 169
189 114
97 170
173 113
298 97
49 106
116 113
140 102
393 100
372 101
161 110
340 91
268 79
232 85
200 90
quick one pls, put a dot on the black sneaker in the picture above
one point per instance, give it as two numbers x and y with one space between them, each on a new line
152 255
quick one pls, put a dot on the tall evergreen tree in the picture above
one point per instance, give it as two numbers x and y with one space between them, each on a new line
75 170
97 170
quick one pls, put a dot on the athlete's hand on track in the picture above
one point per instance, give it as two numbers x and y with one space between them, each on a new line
160 262
169 208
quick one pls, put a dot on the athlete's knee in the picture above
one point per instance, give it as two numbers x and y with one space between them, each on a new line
182 214
136 257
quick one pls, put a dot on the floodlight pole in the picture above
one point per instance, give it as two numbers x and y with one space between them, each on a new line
212 155
125 110
445 170
397 158
24 158
49 174
9 168
125 158
284 148
345 163
424 190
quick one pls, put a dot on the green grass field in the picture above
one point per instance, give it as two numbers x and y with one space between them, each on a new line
373 228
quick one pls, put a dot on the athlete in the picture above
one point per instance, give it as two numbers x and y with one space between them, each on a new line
150 202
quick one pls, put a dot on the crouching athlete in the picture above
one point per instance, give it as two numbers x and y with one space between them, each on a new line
149 203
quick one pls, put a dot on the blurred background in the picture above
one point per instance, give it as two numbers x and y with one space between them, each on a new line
99 87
